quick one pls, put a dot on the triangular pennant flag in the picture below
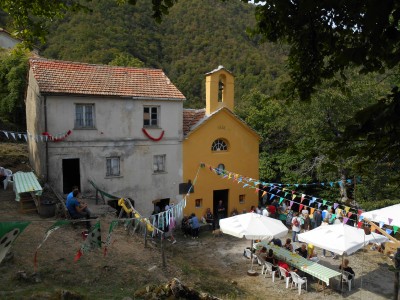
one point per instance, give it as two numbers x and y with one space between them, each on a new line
245 185
346 208
93 240
286 194
312 210
360 212
345 219
293 196
349 214
395 229
323 184
360 218
280 200
49 231
9 231
329 208
256 191
339 211
323 202
313 199
302 198
291 203
272 196
359 224
319 204
331 183
263 194
390 220
19 135
107 244
373 227
381 224
349 181
6 133
389 231
333 217
13 135
296 185
25 137
300 207
335 205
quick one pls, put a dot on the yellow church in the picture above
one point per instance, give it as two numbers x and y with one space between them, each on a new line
218 138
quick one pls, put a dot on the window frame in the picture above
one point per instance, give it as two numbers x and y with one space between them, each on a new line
242 198
150 119
109 169
84 113
156 163
217 143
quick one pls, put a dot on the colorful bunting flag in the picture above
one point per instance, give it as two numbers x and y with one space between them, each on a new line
93 241
345 219
390 220
107 243
389 231
300 207
395 229
335 205
9 231
49 231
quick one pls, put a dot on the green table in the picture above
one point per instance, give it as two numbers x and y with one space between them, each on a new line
307 266
26 182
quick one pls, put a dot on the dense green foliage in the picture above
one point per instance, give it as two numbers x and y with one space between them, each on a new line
185 45
13 74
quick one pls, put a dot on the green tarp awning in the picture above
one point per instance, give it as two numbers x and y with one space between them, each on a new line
26 182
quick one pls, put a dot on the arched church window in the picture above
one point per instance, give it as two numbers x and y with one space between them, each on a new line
219 145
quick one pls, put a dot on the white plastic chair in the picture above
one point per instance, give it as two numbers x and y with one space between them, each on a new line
8 179
269 268
348 277
298 281
283 274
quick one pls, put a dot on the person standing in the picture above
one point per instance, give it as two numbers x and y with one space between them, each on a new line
194 223
296 226
317 218
307 221
221 212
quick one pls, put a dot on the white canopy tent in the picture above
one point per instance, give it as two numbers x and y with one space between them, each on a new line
253 226
389 215
340 238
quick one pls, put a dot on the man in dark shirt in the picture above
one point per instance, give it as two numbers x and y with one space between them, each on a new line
302 251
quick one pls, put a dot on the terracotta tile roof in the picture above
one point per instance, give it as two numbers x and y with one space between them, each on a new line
191 117
65 77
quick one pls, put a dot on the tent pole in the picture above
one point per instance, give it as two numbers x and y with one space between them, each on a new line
251 249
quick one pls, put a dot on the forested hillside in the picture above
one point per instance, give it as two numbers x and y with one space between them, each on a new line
193 39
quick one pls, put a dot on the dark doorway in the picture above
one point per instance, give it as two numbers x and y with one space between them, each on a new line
71 174
220 195
161 203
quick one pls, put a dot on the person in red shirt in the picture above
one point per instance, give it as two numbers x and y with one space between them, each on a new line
272 211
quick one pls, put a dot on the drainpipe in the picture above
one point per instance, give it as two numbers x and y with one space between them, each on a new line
47 145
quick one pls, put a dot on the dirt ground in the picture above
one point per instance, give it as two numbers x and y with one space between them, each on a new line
209 264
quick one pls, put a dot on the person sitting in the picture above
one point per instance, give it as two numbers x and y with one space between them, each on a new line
276 242
185 226
234 212
288 245
271 259
302 251
3 176
311 255
345 267
209 217
77 208
285 266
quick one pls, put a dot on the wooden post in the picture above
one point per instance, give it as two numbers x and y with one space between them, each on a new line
162 251
396 285
145 235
